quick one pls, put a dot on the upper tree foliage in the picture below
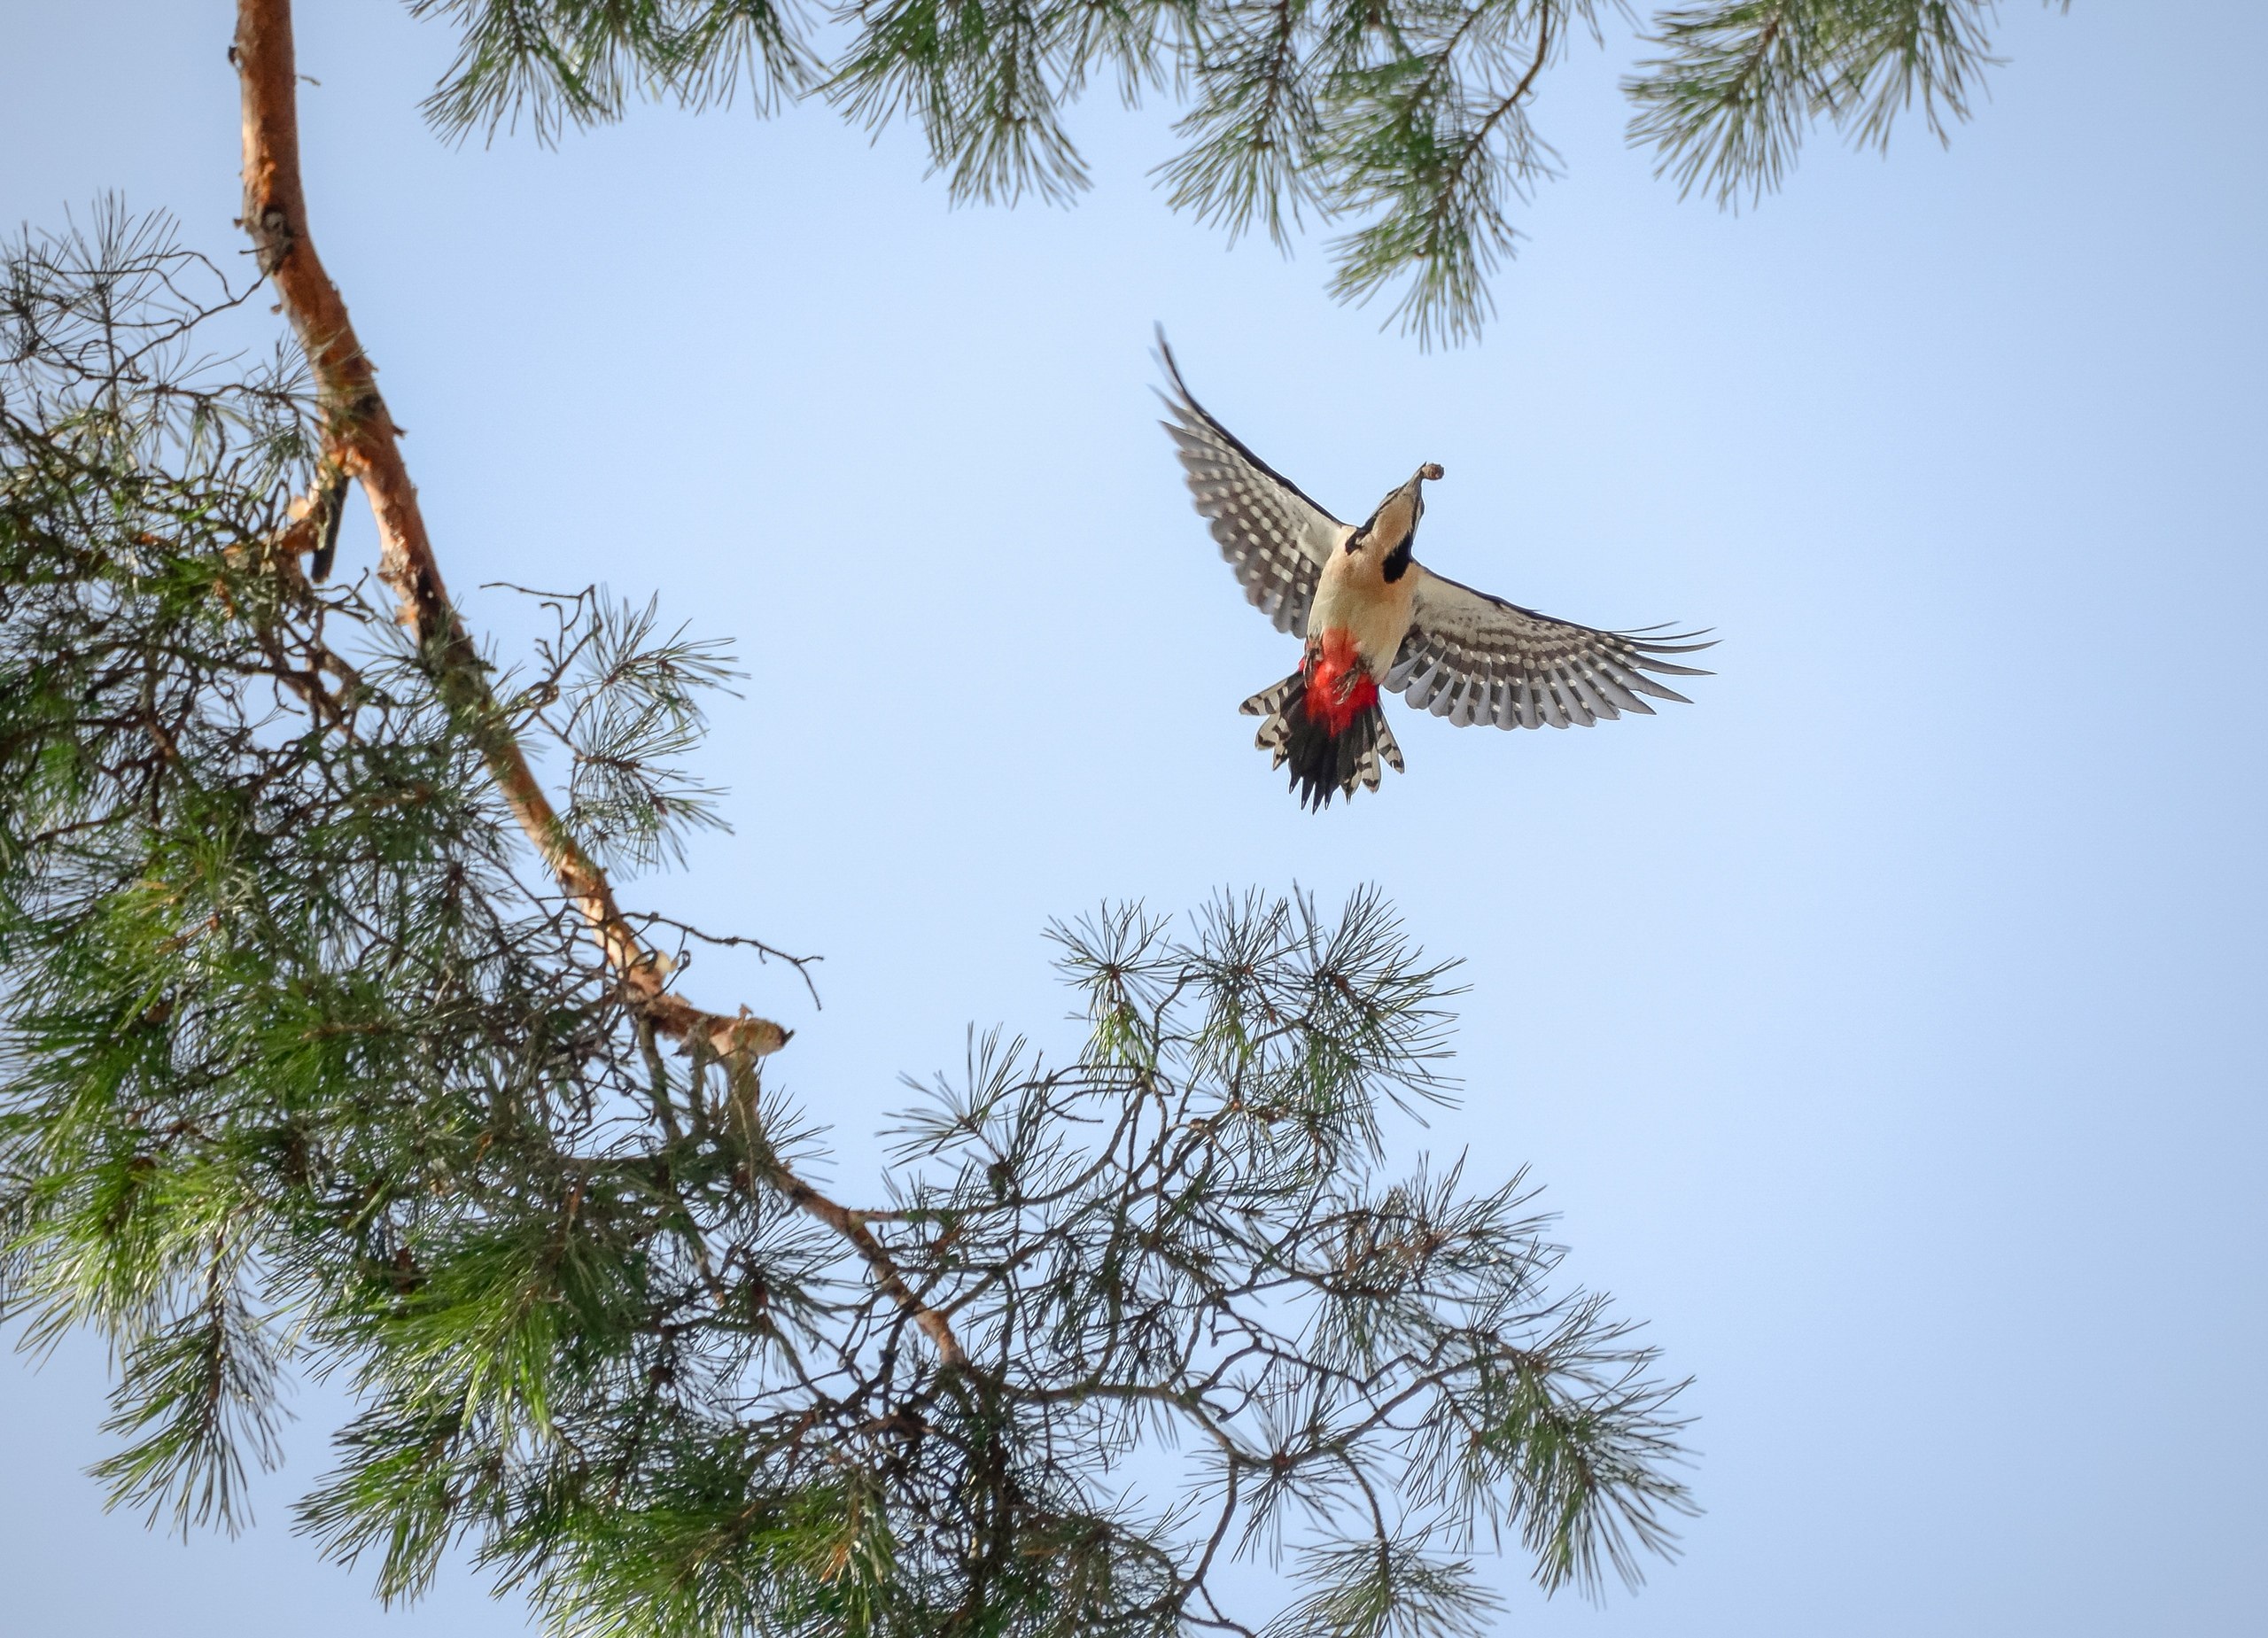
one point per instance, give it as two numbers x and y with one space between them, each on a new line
307 1065
1406 122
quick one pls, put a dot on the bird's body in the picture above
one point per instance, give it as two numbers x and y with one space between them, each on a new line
1353 594
1375 618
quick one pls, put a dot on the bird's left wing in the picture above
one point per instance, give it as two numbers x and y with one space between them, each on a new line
1472 657
1274 537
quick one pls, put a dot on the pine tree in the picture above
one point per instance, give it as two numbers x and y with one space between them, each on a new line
329 1047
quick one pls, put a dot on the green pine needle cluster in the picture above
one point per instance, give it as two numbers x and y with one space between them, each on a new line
305 1071
1727 104
1406 123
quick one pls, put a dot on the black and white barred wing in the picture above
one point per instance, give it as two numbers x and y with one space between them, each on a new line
1274 537
1472 657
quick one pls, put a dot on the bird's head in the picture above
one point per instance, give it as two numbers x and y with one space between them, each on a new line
1390 530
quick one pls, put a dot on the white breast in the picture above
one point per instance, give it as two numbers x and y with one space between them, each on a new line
1353 593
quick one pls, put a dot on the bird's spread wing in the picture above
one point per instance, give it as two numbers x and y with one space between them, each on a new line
1472 657
1274 537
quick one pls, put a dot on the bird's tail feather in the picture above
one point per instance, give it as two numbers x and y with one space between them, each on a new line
1323 762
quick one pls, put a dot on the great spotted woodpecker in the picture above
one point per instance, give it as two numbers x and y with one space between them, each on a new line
1376 618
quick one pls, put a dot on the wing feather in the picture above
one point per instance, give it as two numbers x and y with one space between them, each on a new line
1472 657
1274 537
1600 709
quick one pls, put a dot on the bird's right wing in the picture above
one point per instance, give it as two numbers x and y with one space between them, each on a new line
1274 537
1472 657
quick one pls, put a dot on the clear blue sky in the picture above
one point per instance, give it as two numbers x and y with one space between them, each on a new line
1886 1027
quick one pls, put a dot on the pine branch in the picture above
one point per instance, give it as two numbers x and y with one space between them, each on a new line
363 442
1727 104
1437 155
1254 130
1411 116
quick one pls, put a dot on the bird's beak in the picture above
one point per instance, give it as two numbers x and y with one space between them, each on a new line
1415 487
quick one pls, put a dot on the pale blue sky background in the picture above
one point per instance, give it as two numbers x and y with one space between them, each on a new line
1887 1026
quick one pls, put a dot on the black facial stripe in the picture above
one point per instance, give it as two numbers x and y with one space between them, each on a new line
1397 561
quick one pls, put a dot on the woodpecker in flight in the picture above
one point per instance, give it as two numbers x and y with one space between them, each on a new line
1375 618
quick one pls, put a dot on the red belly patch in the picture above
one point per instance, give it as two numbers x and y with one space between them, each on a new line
1339 689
